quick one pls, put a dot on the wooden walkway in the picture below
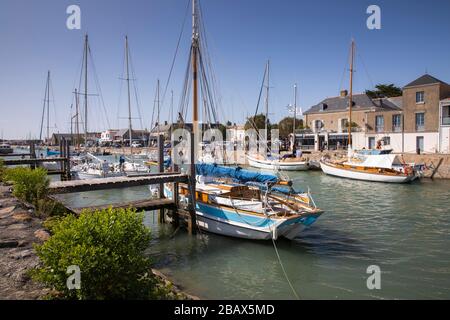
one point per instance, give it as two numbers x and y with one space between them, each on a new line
14 162
115 182
146 205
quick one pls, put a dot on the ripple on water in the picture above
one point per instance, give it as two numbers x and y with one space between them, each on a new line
404 229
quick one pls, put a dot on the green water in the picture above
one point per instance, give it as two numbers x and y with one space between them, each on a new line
404 229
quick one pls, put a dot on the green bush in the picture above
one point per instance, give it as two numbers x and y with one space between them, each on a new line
108 246
28 185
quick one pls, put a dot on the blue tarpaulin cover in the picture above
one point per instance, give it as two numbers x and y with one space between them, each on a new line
236 173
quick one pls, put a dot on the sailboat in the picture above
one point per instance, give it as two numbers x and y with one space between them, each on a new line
241 203
369 165
275 162
90 166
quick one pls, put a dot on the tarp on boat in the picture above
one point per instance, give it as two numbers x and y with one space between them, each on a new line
378 161
236 173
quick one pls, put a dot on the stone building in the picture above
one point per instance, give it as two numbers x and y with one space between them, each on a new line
419 119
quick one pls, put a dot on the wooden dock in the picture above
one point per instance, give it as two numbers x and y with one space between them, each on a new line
16 162
146 205
115 182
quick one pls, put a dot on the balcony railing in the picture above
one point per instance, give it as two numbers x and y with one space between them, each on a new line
379 128
420 128
397 129
446 121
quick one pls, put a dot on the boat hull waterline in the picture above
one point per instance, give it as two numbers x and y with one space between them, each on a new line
235 223
278 165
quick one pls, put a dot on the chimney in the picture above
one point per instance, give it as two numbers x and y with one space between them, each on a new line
344 93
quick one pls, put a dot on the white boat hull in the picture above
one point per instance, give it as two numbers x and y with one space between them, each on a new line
277 165
350 174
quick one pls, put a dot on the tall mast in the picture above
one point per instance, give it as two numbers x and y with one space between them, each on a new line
171 107
350 100
43 108
295 110
195 48
48 106
77 123
128 86
86 48
158 106
267 105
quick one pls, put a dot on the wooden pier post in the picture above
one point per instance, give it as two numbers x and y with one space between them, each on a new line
161 212
192 223
67 162
62 152
175 197
32 153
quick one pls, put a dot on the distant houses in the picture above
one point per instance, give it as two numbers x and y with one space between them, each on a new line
419 119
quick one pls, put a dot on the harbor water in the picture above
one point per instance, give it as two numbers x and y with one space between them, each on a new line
402 229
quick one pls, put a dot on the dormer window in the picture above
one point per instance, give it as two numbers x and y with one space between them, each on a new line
420 97
323 107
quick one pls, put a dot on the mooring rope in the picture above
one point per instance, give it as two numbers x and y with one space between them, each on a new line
281 263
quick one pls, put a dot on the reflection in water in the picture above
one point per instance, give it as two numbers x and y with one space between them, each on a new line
404 229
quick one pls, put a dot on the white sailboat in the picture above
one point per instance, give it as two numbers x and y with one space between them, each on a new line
372 165
277 163
369 165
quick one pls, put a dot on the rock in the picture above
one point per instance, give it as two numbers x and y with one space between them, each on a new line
6 211
8 243
21 254
42 235
22 216
22 243
18 226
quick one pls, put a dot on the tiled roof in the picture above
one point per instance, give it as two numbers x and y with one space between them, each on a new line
424 80
360 101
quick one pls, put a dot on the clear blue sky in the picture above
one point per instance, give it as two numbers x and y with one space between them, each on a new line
306 41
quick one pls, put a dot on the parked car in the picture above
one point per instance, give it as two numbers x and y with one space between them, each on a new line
136 144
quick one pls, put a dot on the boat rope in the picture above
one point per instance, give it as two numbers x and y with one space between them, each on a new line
281 263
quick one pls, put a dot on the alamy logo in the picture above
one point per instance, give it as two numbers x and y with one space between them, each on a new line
374 20
74 19
74 280
374 280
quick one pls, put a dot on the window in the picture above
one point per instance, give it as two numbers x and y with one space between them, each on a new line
446 115
420 144
420 97
318 124
420 121
371 142
386 141
379 123
397 123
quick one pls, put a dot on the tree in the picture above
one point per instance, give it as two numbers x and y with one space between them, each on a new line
384 91
223 130
259 121
286 125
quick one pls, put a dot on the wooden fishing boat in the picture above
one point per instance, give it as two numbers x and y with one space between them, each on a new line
245 204
372 165
232 201
369 165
